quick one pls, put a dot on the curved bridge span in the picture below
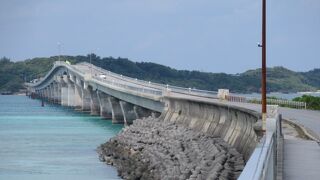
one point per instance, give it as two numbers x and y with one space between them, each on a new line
123 99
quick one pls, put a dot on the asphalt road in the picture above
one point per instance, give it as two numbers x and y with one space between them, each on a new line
308 118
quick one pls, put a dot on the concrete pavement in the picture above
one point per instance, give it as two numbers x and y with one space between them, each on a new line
301 160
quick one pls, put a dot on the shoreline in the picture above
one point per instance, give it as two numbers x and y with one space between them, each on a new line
153 149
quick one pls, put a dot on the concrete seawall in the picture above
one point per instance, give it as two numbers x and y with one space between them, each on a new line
233 124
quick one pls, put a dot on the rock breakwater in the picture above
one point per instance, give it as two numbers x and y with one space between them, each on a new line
153 149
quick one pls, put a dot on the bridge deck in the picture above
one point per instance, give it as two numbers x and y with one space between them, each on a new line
301 159
96 72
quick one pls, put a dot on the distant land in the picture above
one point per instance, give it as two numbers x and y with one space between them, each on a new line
279 79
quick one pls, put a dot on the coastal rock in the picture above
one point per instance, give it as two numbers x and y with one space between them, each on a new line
153 149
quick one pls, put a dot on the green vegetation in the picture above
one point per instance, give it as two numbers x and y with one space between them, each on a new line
312 101
13 74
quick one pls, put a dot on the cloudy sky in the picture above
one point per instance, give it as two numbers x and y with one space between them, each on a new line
205 35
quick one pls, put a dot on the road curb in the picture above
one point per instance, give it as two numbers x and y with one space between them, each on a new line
307 132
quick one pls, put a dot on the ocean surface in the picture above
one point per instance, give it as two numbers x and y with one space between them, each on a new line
51 142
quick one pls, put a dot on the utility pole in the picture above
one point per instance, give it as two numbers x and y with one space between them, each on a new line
263 72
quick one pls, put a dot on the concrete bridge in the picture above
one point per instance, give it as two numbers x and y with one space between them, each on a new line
123 99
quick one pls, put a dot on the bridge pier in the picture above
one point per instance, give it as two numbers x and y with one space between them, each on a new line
128 112
45 93
58 93
54 92
86 100
94 103
105 107
64 90
117 115
141 112
57 89
71 93
78 96
64 95
49 91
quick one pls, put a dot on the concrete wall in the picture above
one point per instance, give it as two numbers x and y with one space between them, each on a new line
234 125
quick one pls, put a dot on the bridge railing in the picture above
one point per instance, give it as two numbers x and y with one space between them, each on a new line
55 64
162 87
148 86
280 102
270 101
265 161
126 86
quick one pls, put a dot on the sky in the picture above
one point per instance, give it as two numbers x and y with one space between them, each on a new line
204 35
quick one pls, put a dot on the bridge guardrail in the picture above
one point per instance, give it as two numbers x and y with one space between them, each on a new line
280 102
46 76
163 87
134 88
265 159
160 87
270 101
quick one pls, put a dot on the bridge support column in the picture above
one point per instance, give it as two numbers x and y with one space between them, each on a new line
48 93
39 93
105 108
51 92
86 100
78 97
64 95
54 92
141 112
64 90
94 105
128 112
45 93
117 116
71 94
58 93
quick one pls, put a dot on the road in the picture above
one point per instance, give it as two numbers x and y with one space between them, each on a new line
308 118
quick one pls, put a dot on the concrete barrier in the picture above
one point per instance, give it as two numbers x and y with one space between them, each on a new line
265 162
234 125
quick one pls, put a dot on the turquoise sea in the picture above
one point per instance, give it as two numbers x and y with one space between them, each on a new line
51 142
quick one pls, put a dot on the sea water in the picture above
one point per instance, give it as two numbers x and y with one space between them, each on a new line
51 142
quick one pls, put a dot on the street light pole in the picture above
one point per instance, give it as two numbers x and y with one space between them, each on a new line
263 72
